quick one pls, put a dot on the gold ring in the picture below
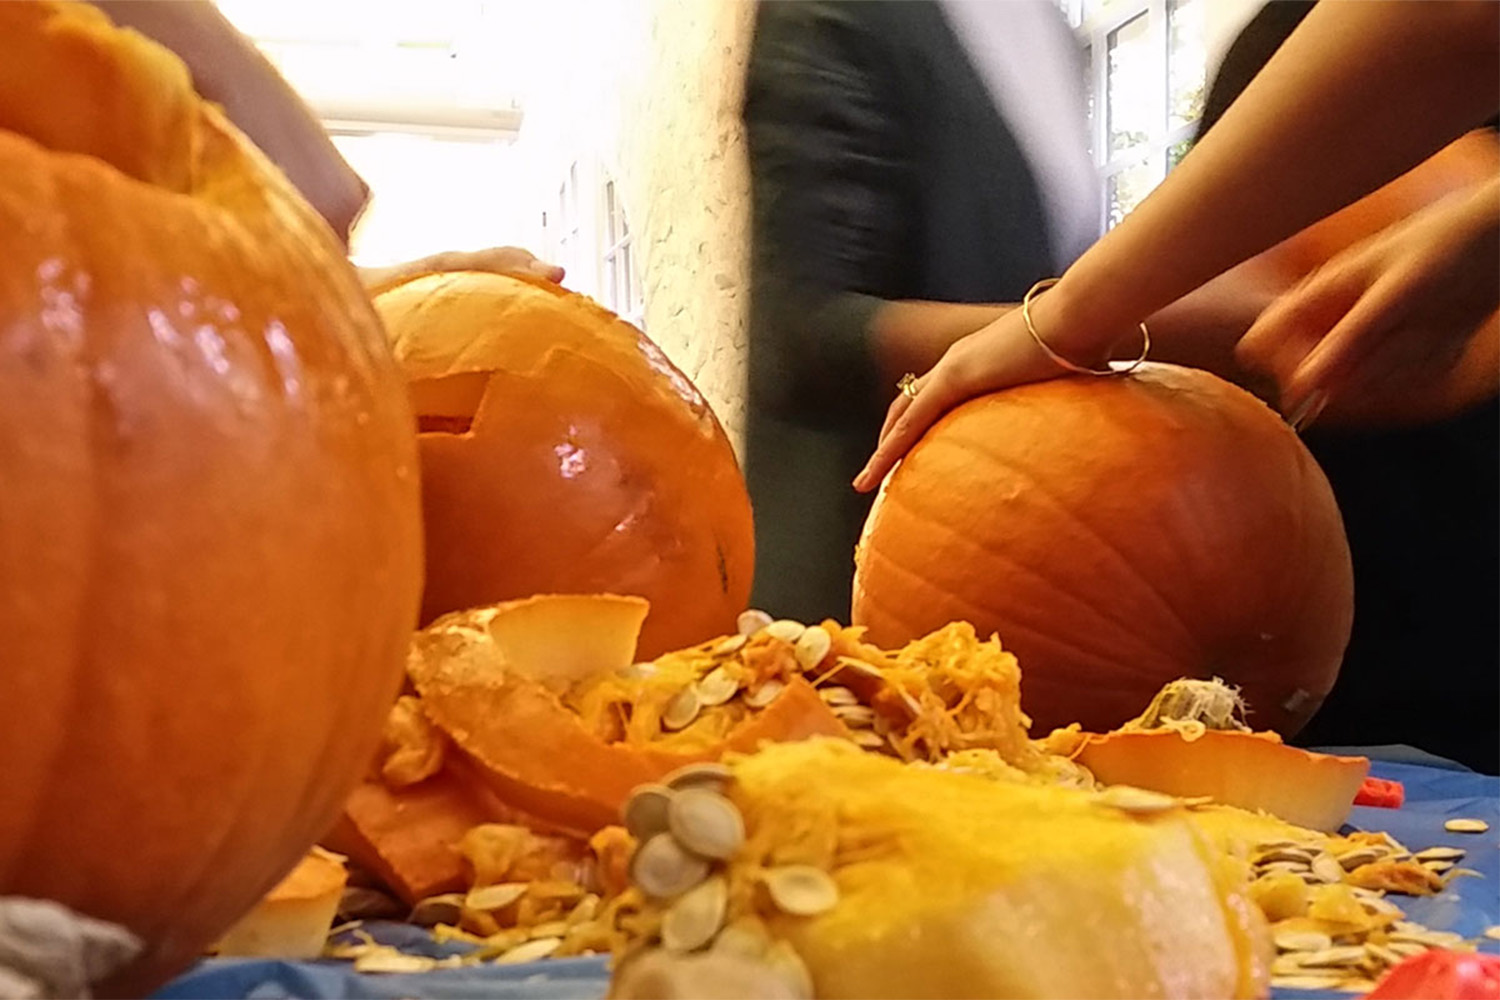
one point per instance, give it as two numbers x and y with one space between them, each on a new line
1063 362
908 385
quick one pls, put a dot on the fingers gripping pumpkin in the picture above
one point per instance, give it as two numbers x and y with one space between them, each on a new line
209 522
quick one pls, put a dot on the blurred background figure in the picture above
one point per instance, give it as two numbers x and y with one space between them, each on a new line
910 162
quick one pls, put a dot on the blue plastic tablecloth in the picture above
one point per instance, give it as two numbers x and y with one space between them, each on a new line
1436 790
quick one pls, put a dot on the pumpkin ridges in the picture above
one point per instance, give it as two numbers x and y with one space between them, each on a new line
229 520
1176 473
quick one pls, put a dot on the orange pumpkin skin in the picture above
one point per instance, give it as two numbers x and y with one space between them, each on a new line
1254 771
592 465
1118 534
209 542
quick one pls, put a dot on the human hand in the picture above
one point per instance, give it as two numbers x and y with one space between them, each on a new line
996 356
1396 310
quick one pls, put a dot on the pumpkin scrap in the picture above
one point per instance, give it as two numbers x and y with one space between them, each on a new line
292 920
938 884
582 729
1191 741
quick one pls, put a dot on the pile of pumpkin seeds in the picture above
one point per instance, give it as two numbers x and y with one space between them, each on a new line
687 831
1342 932
810 647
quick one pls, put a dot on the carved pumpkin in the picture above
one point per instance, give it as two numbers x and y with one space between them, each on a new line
1118 534
563 453
209 541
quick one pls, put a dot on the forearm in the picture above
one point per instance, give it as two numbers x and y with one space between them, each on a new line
910 336
1360 93
229 70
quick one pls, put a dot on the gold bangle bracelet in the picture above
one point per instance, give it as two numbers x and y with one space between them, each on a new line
1063 362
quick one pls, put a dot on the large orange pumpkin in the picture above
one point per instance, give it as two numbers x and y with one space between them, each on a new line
209 542
1118 534
563 453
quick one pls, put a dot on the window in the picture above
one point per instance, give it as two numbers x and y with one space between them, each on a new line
1147 68
565 240
622 291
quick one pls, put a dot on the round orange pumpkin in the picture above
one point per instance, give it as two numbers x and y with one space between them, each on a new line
210 552
1118 534
563 453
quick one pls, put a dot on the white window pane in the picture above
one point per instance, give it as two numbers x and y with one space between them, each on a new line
1129 187
1187 61
1131 97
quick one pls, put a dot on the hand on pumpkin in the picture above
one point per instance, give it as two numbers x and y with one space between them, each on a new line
501 260
1403 303
997 356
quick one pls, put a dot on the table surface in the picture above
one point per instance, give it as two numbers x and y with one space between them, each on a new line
1435 792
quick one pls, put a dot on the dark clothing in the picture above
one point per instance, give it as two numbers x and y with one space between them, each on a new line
1421 506
1422 510
880 170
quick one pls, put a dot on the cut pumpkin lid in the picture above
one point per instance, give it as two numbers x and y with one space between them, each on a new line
557 640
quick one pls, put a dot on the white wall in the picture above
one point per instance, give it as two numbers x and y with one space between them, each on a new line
648 94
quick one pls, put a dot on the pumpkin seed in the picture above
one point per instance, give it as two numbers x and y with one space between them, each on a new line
1466 826
812 646
710 774
393 962
639 671
1291 855
802 890
1137 801
706 823
494 897
681 710
663 869
1347 955
1326 868
1351 860
868 739
645 812
1303 941
552 928
836 696
532 950
434 910
857 666
858 716
696 917
752 621
1437 867
732 644
1493 932
1306 982
786 630
1440 854
1382 954
783 959
586 910
716 688
765 694
1406 949
745 936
